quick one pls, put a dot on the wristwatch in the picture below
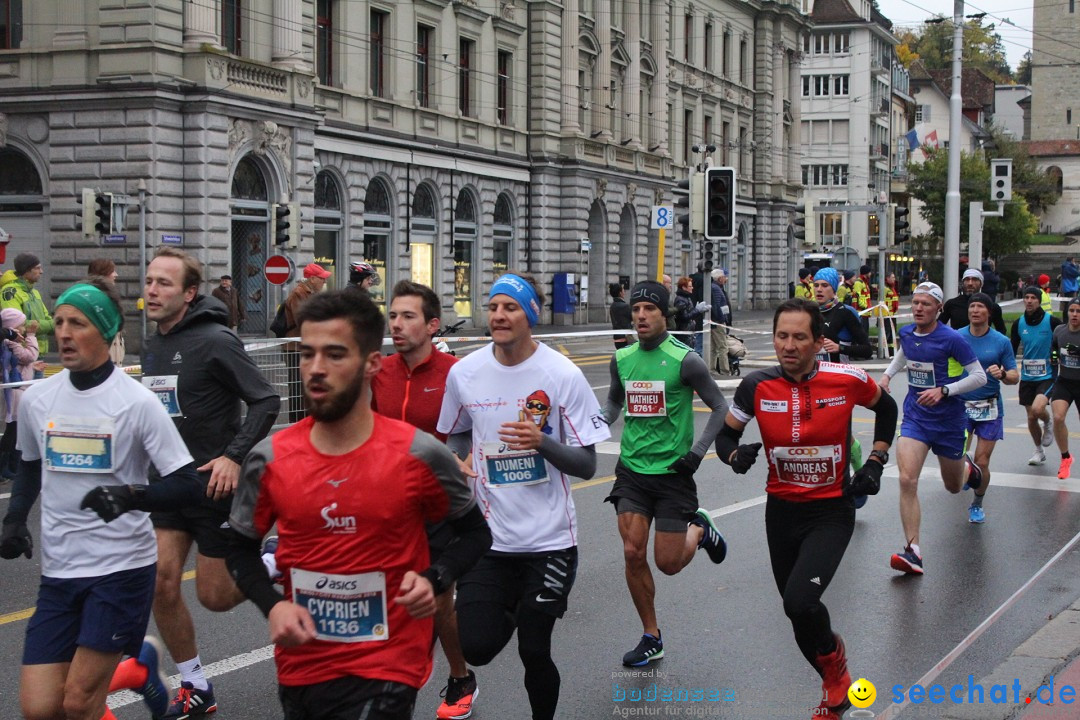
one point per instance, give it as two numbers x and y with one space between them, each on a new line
944 391
881 455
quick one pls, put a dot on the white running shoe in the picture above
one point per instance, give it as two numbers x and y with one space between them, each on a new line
1038 458
1048 433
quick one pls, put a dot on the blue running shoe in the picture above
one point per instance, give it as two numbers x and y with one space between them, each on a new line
976 514
907 562
155 691
711 540
648 650
191 702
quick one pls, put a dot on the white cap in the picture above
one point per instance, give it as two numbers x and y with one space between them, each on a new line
931 289
972 272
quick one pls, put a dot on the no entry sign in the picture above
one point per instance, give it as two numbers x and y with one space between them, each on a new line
278 269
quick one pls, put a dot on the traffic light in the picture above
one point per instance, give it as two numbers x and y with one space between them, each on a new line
287 225
103 213
720 203
898 226
689 206
806 221
707 256
1001 179
87 202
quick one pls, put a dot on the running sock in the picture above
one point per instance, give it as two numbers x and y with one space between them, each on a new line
977 502
130 674
270 563
1065 455
192 672
915 549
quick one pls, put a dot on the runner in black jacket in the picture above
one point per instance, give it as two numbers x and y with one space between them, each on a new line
845 338
200 371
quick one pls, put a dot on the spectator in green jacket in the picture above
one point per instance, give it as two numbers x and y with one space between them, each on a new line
21 295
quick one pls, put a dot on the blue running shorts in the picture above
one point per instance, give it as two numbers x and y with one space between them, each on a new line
949 444
986 429
108 613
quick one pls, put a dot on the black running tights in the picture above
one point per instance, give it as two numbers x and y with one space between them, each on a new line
806 543
490 628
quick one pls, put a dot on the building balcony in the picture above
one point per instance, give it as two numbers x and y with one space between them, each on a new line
880 67
879 151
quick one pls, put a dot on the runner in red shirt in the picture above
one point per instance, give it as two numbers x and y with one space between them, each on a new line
350 492
803 408
410 387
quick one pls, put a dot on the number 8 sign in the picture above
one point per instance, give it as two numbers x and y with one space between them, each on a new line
663 217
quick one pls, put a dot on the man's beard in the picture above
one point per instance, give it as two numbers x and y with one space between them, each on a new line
338 404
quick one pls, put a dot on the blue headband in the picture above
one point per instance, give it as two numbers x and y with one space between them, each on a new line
523 294
830 276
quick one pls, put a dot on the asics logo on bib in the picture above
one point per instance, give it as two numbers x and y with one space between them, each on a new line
338 525
325 583
805 451
158 382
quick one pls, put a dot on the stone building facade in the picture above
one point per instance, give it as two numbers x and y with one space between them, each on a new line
442 140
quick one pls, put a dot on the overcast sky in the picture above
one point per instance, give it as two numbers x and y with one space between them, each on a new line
1017 40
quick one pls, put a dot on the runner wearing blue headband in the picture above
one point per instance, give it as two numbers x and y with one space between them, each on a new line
523 293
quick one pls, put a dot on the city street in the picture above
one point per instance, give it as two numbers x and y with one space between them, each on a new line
724 628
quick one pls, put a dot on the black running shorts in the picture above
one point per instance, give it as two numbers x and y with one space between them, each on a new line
670 499
541 580
1029 389
348 698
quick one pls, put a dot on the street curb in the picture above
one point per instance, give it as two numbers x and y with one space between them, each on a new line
1046 653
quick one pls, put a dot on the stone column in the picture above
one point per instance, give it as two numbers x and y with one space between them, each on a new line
658 106
603 68
633 128
570 58
201 24
288 47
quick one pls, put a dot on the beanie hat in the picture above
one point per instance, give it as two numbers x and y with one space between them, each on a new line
1044 280
25 261
804 273
12 318
982 298
1032 290
864 270
972 272
653 292
830 276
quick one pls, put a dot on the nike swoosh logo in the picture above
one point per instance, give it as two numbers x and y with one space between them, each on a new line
541 598
430 389
117 637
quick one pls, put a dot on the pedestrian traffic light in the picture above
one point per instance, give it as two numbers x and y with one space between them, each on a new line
898 226
689 204
103 213
719 203
87 202
707 256
1001 179
287 225
806 222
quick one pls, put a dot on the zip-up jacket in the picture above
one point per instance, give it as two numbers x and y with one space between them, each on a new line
23 296
414 397
213 374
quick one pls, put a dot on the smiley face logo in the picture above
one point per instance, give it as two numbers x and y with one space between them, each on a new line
862 693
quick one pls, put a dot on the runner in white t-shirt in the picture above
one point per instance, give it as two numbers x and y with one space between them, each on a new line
531 421
88 436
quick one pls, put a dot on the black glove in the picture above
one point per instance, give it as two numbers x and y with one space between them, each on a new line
745 457
110 501
866 480
16 541
687 465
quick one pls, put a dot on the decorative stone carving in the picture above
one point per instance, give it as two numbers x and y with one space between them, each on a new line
631 191
303 87
217 67
506 10
37 129
658 196
601 188
268 138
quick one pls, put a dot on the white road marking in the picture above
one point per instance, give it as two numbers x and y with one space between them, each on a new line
126 697
1024 481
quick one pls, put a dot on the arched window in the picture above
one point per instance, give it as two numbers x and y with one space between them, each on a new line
424 228
250 227
248 182
1058 177
377 226
465 231
20 184
503 234
328 224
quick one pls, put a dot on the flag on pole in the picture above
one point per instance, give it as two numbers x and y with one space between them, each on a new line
912 139
931 139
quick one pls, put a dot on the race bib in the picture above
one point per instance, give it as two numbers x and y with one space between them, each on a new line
345 608
646 398
981 410
921 374
1070 356
1035 368
77 444
808 466
164 386
512 468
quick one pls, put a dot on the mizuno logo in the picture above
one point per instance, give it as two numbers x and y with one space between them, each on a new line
815 580
177 357
337 483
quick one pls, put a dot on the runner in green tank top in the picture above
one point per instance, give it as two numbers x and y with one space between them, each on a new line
652 387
